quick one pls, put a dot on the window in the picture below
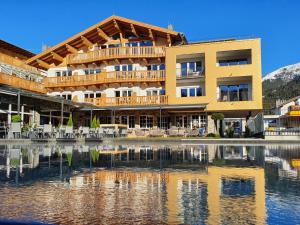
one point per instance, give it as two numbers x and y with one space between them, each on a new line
234 92
164 122
162 92
191 92
98 95
152 92
184 92
58 73
233 62
123 93
131 123
91 71
146 121
124 67
189 68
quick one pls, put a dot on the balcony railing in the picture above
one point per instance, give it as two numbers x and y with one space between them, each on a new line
106 77
18 82
189 74
129 101
116 53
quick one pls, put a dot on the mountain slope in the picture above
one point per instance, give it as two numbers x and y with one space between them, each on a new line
283 83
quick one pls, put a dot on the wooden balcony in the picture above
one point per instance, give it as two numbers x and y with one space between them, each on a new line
18 63
129 101
116 53
105 77
18 82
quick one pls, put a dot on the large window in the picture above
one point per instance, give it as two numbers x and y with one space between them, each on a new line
191 92
125 67
146 121
164 122
233 62
229 93
156 67
189 69
123 93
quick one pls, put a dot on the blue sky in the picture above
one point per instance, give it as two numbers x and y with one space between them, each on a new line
32 23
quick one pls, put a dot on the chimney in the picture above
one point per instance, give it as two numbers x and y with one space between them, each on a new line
45 47
170 27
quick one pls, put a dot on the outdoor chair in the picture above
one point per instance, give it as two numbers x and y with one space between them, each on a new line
47 130
156 133
85 131
110 132
69 132
193 133
123 133
15 129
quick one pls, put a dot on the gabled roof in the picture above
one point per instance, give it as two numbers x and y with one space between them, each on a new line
99 33
15 49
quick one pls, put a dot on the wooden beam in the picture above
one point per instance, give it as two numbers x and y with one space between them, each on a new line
133 30
86 41
71 49
116 25
169 40
57 57
43 64
121 39
130 60
117 61
102 34
151 34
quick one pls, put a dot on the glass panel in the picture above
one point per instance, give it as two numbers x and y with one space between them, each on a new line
243 92
131 121
192 92
199 91
98 70
124 68
198 66
233 93
224 93
117 68
162 67
129 93
154 67
191 67
117 93
183 92
162 92
183 69
130 67
148 93
98 95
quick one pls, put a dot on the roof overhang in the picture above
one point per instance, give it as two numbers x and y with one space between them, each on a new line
100 33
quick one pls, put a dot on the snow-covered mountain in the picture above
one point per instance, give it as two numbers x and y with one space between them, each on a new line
286 73
283 84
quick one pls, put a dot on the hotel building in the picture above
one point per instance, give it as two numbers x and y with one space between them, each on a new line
146 76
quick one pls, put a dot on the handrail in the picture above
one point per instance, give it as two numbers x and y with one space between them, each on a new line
106 77
18 63
129 101
18 82
114 53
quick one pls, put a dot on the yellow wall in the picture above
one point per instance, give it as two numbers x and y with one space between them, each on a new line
213 72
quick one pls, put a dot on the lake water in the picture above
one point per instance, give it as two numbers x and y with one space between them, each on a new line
150 183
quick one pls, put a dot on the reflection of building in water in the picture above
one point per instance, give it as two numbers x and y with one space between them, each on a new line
222 194
283 160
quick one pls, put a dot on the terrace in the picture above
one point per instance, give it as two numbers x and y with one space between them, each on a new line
106 77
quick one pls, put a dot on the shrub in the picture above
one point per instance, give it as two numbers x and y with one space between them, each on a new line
70 121
213 135
94 122
16 118
217 117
